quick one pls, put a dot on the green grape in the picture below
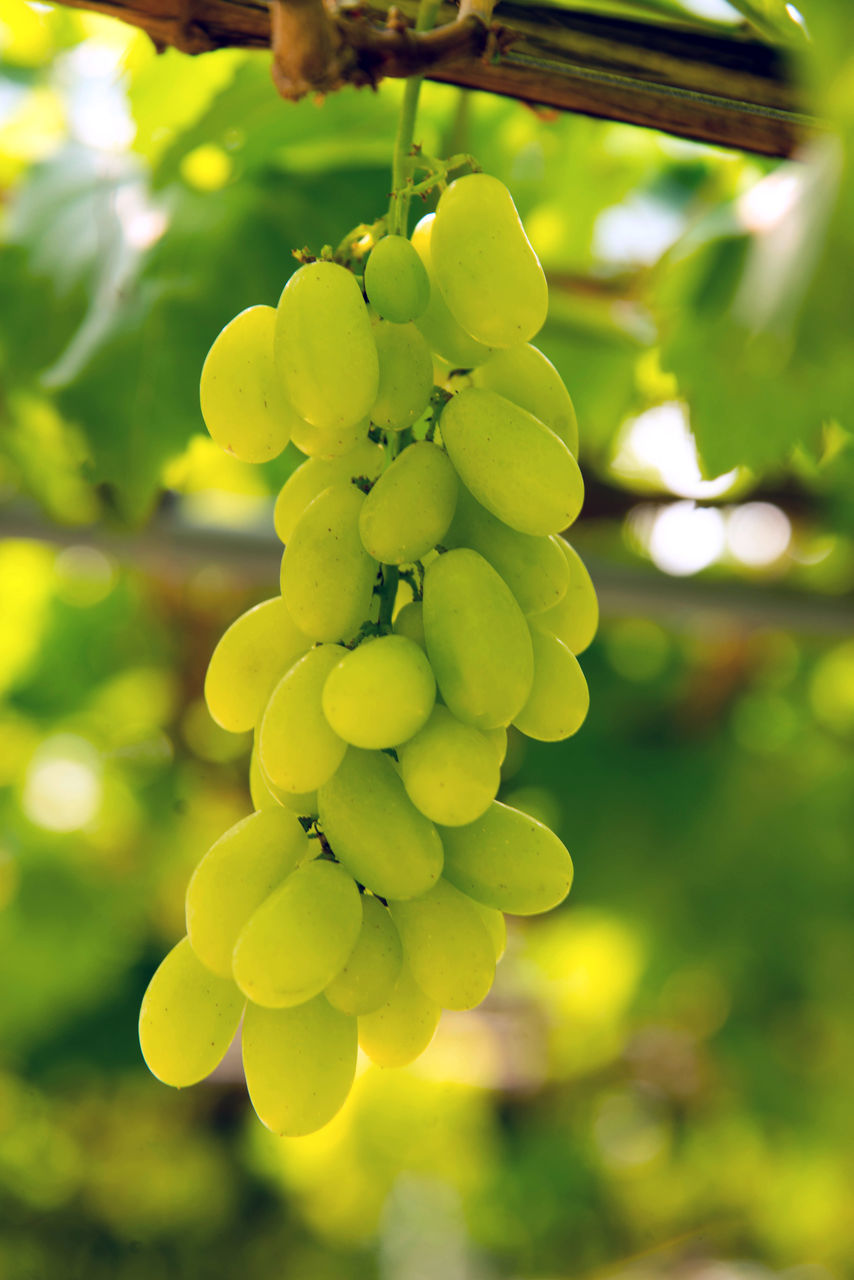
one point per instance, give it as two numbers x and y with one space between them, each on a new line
328 443
450 770
376 831
560 699
299 937
512 464
327 575
509 861
316 474
527 378
447 946
401 1029
395 280
411 506
406 375
188 1018
299 1064
576 618
409 622
533 567
250 657
243 405
478 642
444 335
297 748
490 277
498 738
235 876
324 347
495 925
381 693
265 795
369 976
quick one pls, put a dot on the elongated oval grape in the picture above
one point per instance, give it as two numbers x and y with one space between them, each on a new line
250 657
478 641
401 1029
451 770
243 405
373 966
381 693
406 375
299 1064
409 622
327 575
324 347
235 876
299 937
534 568
509 861
316 474
410 508
527 378
444 335
330 442
489 275
188 1018
395 280
575 619
495 925
297 747
376 831
265 795
446 945
512 464
559 698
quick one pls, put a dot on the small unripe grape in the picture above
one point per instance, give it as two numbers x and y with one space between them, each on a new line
380 693
489 275
243 404
450 770
395 280
559 698
406 375
410 508
410 623
298 749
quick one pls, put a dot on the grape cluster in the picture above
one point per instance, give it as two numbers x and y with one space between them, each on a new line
427 603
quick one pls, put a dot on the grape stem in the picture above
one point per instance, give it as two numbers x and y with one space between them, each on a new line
398 212
388 594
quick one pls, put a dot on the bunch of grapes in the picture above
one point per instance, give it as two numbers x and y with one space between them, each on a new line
427 603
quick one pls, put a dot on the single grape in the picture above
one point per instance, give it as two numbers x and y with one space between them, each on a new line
443 334
381 693
401 1029
406 375
410 508
188 1018
447 946
243 404
509 861
316 474
395 280
369 976
328 443
527 378
376 831
250 657
299 1064
327 575
511 463
534 568
324 347
265 795
235 876
297 748
559 698
299 938
478 641
450 770
576 618
409 622
490 277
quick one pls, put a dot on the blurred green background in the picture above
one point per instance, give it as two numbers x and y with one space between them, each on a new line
660 1084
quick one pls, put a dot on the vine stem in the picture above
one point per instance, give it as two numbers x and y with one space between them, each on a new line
398 213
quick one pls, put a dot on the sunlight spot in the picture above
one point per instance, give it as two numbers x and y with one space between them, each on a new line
62 790
657 447
686 538
758 533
